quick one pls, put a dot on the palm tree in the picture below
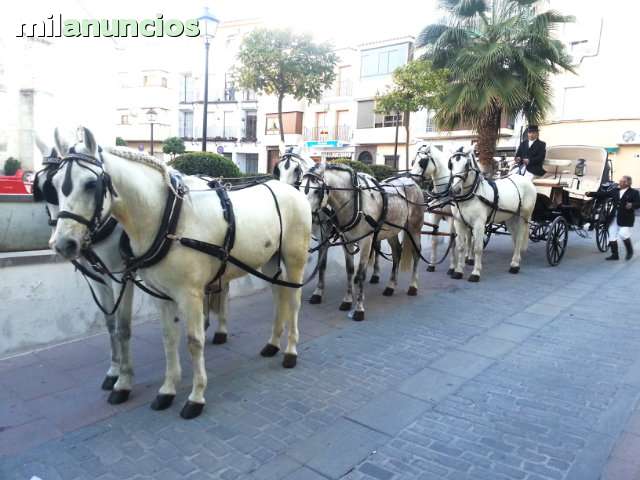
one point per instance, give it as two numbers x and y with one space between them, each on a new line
500 55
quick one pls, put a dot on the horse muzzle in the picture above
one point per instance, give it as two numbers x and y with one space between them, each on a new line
67 247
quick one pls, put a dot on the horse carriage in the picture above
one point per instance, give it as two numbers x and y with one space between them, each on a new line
562 205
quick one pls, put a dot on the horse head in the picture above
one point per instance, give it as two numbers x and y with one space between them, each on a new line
461 164
289 169
84 193
423 165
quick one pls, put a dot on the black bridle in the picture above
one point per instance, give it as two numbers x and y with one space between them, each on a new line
287 158
471 166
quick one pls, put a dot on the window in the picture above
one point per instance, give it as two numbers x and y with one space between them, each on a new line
291 122
251 163
185 126
251 125
228 155
365 157
386 120
431 124
365 114
124 119
383 61
187 94
391 161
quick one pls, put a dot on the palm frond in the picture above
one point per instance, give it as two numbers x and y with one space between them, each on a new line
430 34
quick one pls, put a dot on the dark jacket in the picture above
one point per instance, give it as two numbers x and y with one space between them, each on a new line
535 154
623 216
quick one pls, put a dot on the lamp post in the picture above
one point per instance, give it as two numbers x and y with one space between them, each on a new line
209 26
151 116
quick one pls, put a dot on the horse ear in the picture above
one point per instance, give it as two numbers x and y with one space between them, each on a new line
62 145
42 146
321 167
89 141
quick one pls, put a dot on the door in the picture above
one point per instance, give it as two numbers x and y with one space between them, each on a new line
273 156
322 131
342 125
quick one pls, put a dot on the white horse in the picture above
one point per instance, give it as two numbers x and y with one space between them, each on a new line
290 169
431 164
273 225
478 201
365 212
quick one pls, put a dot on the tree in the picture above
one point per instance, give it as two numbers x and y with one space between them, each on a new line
500 55
121 142
415 86
173 146
279 62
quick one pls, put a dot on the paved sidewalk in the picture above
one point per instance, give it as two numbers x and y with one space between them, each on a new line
532 376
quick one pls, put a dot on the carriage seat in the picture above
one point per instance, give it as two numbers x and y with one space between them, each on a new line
553 177
550 182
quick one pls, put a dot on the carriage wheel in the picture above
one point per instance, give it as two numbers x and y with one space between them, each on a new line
557 237
602 229
536 231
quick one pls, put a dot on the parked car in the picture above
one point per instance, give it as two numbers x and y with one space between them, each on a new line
18 184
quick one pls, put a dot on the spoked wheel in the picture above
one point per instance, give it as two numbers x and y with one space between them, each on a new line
602 229
557 237
536 231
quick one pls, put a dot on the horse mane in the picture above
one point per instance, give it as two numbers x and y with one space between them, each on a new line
141 157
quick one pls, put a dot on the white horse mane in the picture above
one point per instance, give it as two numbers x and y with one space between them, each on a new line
141 157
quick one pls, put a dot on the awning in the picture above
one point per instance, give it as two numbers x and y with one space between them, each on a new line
613 149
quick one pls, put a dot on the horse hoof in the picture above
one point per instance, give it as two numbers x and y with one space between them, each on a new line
450 272
162 401
412 292
345 306
219 338
290 360
374 279
514 270
108 382
470 261
388 292
456 275
431 268
269 350
358 316
191 410
116 397
315 299
474 278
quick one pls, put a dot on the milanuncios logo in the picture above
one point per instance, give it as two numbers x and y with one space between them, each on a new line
149 27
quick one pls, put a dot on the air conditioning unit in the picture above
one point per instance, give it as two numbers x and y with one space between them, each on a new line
630 137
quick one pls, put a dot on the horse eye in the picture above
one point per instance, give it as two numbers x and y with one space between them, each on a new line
90 185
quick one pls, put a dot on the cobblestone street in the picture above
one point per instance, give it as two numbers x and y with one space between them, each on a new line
530 377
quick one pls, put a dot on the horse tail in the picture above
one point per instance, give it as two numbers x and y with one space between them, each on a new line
406 257
375 246
215 303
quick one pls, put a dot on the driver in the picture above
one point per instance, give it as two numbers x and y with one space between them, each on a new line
530 154
626 200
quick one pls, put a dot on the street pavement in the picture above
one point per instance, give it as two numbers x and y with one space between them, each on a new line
528 377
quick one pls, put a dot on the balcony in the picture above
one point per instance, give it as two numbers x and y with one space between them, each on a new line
323 134
343 88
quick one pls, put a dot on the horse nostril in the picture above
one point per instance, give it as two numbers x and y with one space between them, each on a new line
69 247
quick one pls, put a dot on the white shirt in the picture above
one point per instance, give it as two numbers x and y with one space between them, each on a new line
531 143
623 191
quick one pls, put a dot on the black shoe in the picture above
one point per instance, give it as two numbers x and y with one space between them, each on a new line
629 246
614 251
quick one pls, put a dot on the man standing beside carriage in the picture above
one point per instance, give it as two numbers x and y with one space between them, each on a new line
626 200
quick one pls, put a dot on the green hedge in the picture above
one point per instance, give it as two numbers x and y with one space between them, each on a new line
11 166
356 165
383 171
205 163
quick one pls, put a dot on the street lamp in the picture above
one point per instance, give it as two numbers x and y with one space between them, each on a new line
209 26
151 116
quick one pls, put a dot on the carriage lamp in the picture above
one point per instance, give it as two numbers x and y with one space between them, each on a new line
580 167
151 116
208 27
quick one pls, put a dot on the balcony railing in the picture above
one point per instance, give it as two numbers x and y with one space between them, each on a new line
323 134
343 88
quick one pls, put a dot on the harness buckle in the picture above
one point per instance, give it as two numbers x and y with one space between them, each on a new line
174 237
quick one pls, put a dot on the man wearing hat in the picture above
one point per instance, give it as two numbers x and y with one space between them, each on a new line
530 154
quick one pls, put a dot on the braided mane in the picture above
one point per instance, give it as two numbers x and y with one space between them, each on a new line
141 157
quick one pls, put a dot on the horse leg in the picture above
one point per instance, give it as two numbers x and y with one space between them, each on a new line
396 252
365 250
461 248
469 250
516 228
105 296
413 285
316 298
191 306
290 298
347 300
273 345
123 386
173 370
375 276
454 249
478 240
219 305
435 239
